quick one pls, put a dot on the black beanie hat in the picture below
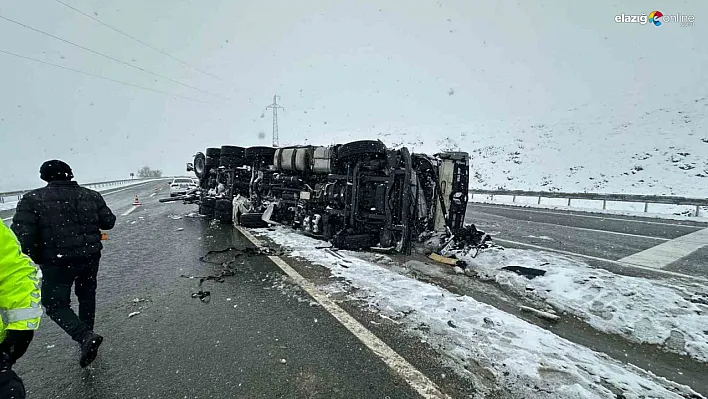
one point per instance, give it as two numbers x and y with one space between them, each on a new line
55 170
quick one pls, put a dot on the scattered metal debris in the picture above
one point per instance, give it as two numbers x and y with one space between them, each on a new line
133 314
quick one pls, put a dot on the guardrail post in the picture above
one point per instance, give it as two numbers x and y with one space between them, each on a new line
604 204
646 207
569 201
513 199
539 201
698 209
472 196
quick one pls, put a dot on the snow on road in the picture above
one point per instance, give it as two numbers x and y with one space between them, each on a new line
668 313
528 360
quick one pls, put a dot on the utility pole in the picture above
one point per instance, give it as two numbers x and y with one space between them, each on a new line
275 107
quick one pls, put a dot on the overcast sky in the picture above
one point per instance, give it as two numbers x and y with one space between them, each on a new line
337 65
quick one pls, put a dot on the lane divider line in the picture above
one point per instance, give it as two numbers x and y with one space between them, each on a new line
664 254
614 262
128 212
416 379
628 219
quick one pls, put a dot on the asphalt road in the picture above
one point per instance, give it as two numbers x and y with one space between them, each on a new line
257 337
600 240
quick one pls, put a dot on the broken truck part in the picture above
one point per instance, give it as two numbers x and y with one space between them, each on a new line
356 195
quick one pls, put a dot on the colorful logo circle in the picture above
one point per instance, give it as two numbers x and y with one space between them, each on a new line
655 17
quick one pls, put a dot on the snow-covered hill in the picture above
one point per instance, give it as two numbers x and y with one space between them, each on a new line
640 149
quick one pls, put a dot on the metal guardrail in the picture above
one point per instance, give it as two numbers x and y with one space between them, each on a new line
16 195
645 199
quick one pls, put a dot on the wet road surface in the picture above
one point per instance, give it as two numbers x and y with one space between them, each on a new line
251 340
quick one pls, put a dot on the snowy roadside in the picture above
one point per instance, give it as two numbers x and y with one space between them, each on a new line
6 206
523 358
668 212
668 313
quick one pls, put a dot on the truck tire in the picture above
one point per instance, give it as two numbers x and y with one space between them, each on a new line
234 151
206 207
252 220
213 152
211 162
362 147
223 211
230 161
200 165
266 154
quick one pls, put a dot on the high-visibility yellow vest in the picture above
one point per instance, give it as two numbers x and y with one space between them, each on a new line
20 286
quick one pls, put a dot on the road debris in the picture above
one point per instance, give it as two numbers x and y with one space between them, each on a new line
133 314
540 313
204 296
528 272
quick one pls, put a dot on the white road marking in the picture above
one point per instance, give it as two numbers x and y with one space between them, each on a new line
595 230
520 208
7 218
126 213
129 187
614 262
417 380
664 254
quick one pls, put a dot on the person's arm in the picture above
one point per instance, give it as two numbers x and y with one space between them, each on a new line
20 297
25 226
106 218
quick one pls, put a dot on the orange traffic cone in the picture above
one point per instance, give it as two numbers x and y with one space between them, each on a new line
136 202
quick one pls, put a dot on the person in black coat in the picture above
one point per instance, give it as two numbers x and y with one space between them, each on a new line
59 227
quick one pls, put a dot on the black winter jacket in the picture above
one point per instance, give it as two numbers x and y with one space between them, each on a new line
61 219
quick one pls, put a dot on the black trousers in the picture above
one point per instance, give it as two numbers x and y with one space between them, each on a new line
57 279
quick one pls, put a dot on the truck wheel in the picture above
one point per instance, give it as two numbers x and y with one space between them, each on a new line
362 147
252 220
234 151
260 153
229 161
213 152
200 165
223 211
207 206
211 162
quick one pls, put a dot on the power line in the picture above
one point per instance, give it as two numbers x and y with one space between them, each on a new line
105 56
137 40
101 77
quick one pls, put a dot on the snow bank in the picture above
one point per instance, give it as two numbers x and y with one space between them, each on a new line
661 312
648 148
528 360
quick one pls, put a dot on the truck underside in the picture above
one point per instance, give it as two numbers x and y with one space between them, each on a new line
356 195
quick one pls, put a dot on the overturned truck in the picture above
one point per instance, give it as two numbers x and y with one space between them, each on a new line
356 195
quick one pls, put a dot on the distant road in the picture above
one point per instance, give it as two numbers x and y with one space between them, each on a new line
624 244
